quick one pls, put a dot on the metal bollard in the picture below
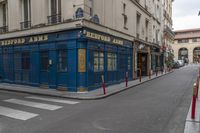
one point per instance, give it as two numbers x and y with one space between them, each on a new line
103 85
193 111
126 78
150 74
156 72
140 75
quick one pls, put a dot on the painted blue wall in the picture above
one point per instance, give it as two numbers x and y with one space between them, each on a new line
71 79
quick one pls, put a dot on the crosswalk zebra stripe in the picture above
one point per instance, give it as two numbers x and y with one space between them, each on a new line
16 114
34 104
53 100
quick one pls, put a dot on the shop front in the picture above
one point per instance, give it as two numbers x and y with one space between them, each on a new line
73 60
156 59
142 59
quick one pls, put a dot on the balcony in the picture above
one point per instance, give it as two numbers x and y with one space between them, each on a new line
3 29
169 31
25 25
54 19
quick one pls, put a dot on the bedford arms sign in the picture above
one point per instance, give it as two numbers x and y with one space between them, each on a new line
24 40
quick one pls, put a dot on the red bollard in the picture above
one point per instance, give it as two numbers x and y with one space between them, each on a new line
103 85
126 79
140 75
197 87
193 111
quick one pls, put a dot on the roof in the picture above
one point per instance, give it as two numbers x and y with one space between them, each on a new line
187 33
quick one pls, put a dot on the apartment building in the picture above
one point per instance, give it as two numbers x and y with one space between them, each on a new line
187 45
71 44
168 34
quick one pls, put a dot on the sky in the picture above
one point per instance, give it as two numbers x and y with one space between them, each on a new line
185 14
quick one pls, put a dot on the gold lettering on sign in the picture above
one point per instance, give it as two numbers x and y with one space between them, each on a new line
38 38
98 37
104 38
32 39
117 41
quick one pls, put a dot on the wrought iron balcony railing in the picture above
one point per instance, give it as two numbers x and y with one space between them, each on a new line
54 19
3 29
25 25
169 31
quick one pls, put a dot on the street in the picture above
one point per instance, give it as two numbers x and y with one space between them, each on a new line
158 106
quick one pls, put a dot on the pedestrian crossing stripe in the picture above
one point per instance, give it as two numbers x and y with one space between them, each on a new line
52 100
16 114
34 104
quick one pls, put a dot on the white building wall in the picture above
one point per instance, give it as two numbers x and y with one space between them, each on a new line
39 11
14 14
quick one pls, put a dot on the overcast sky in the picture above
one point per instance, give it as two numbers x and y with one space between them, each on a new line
185 14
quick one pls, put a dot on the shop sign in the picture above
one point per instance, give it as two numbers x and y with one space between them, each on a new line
81 60
17 41
104 38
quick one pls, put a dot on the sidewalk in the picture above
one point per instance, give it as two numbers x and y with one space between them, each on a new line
92 95
193 126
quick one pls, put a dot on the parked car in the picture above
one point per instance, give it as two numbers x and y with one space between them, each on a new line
181 62
176 64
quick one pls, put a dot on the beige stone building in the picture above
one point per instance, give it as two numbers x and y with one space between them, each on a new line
187 45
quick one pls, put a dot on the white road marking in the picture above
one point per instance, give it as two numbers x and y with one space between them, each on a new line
34 104
53 100
16 114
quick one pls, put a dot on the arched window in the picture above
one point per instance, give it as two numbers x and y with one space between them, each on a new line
79 13
183 54
196 55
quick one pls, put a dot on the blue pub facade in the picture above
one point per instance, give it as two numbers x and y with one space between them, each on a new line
73 59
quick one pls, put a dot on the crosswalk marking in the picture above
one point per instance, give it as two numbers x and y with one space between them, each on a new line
34 104
53 100
16 114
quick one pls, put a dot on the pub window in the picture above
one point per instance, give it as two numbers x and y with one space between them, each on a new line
62 60
44 60
98 61
112 62
25 60
122 59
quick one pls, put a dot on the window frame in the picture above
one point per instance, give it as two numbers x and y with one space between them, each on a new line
111 61
62 59
99 57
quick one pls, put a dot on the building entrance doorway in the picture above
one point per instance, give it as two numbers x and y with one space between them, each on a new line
196 55
142 63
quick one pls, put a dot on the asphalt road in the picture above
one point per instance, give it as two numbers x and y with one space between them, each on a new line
158 106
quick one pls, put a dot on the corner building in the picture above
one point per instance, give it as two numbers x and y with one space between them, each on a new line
71 44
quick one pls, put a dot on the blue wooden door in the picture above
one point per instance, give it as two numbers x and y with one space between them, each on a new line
44 67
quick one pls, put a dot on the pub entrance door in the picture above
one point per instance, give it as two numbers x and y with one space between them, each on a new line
142 63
